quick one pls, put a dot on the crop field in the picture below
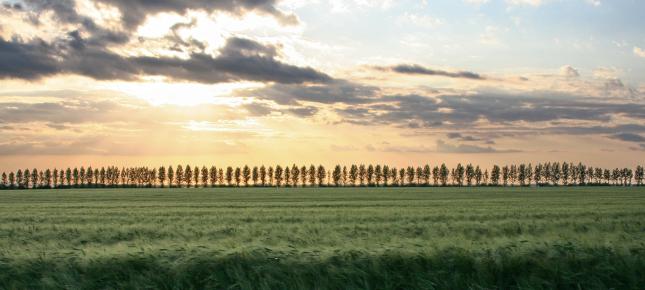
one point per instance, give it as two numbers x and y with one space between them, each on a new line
323 238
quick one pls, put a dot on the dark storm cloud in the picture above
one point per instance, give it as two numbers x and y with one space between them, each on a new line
134 12
239 59
629 137
26 60
501 109
257 109
303 112
331 92
417 69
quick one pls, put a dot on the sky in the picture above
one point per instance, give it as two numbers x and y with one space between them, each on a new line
234 82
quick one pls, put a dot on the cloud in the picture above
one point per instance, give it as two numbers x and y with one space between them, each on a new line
476 2
459 136
534 3
258 109
239 59
629 137
499 114
303 112
639 51
27 60
420 70
443 147
569 72
337 91
135 12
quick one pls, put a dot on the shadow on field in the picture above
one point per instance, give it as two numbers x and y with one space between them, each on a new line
558 267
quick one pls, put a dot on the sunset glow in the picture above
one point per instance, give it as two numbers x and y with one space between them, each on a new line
111 82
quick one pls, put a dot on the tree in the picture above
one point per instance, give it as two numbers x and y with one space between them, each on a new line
512 174
295 175
196 179
537 176
212 175
278 175
97 176
555 173
409 173
68 176
48 178
419 173
12 180
521 174
362 172
402 176
238 176
26 179
378 174
574 173
353 174
443 174
494 175
336 175
246 175
161 175
321 175
435 176
582 170
205 176
606 174
505 171
312 175
393 176
426 175
639 174
229 176
179 176
35 175
287 176
270 174
171 176
5 181
188 176
460 174
470 174
565 173
255 175
303 175
370 175
55 178
478 176
598 175
263 175
386 175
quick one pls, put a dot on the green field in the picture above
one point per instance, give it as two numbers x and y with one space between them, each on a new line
323 238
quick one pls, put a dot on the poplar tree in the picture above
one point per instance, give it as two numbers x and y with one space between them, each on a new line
205 176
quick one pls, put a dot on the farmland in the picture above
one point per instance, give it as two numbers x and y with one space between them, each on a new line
326 238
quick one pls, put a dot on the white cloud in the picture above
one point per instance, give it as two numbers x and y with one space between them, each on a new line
534 3
639 51
569 72
594 2
419 20
476 2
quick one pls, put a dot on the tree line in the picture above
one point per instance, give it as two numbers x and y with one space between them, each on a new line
541 174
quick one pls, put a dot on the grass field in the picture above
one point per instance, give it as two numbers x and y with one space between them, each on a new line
327 238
